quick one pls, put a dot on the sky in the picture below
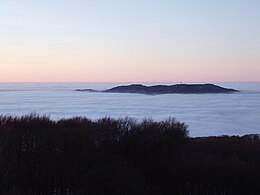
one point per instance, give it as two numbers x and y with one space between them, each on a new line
129 41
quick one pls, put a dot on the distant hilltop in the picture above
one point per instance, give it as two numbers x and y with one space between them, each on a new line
166 89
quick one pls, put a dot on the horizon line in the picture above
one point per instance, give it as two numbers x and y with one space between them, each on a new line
129 81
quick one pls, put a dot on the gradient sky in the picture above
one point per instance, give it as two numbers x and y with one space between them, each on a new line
123 40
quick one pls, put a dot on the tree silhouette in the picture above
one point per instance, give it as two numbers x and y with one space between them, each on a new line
122 156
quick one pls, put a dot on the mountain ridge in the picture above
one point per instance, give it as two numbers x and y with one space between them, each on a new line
166 89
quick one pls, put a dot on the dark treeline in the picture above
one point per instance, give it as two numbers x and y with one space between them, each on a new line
80 156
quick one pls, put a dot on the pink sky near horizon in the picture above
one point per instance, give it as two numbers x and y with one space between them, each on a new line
22 65
137 41
147 71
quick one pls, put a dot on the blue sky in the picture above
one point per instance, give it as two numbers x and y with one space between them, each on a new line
65 40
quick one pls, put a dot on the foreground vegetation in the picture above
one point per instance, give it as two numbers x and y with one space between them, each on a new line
122 156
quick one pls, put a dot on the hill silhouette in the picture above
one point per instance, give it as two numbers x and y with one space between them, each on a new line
166 89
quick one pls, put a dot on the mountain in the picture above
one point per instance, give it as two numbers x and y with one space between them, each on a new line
166 89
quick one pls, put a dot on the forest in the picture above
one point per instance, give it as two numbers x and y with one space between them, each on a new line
78 156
